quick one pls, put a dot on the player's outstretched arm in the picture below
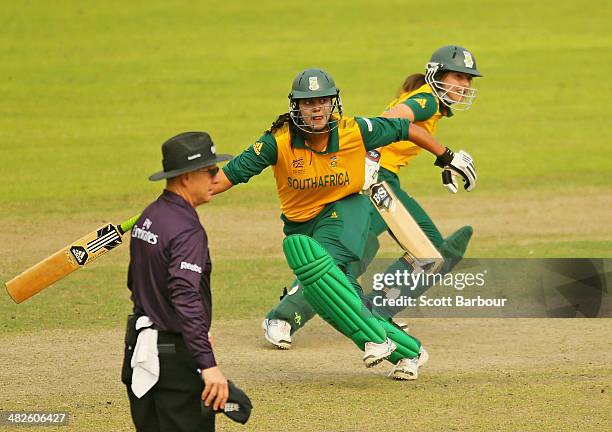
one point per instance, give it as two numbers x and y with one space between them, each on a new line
400 111
460 164
424 139
251 162
222 183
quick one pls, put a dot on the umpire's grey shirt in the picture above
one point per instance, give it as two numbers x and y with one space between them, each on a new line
169 273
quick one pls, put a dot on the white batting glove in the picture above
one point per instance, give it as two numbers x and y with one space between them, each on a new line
460 164
372 165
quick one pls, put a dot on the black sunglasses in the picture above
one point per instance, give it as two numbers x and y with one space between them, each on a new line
213 171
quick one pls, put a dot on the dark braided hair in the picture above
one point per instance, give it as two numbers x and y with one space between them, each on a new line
279 122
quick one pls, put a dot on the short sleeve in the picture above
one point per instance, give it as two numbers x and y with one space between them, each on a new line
381 131
423 105
253 160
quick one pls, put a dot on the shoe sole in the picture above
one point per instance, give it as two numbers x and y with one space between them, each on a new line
371 363
405 377
401 376
284 345
374 360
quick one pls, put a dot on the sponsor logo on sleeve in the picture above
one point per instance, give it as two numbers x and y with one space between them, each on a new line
257 147
421 102
144 234
191 267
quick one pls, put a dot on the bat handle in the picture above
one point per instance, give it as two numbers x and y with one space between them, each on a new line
128 224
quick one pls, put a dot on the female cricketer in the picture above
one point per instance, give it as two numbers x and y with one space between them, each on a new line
423 99
318 160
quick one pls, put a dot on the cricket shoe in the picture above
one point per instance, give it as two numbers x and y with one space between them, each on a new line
408 369
374 353
277 332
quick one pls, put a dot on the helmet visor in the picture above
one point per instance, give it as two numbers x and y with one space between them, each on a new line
454 96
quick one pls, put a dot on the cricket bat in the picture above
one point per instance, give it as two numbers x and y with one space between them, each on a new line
420 252
67 260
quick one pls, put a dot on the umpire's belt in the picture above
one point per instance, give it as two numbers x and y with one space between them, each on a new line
170 342
166 348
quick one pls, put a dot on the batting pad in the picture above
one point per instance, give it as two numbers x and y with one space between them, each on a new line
330 293
407 346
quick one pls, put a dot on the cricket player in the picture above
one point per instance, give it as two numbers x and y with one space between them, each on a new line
318 160
423 99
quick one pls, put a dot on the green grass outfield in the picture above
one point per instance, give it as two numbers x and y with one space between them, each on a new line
90 91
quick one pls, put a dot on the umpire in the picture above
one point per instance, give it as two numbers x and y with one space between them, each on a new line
169 365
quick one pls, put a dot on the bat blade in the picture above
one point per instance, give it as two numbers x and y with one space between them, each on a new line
67 260
404 229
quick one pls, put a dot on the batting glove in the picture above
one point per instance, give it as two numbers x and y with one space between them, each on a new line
460 164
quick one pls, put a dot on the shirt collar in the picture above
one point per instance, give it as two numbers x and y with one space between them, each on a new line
297 141
174 198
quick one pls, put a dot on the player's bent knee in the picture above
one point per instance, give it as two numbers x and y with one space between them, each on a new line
329 292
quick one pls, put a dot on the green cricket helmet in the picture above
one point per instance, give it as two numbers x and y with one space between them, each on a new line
314 83
452 58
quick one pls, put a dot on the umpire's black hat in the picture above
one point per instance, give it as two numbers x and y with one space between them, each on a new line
186 152
238 406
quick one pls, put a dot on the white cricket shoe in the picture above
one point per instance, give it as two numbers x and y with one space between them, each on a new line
374 353
408 369
277 332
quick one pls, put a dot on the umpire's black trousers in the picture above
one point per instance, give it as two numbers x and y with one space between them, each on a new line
173 403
